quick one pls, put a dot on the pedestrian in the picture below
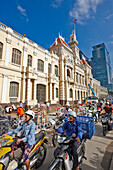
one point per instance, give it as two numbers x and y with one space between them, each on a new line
47 104
21 104
20 112
38 104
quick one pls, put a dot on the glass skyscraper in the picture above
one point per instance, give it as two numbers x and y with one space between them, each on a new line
101 68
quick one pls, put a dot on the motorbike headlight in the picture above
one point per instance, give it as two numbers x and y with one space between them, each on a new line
1 166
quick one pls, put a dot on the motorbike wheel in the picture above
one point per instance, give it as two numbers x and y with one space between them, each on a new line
57 168
41 156
104 131
55 140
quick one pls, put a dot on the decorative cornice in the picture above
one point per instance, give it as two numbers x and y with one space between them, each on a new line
8 40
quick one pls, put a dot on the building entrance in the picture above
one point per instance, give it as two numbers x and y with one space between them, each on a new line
41 91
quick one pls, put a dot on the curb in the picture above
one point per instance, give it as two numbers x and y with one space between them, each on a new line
111 165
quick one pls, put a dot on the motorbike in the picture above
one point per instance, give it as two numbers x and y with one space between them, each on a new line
63 159
58 129
99 111
36 156
92 112
106 124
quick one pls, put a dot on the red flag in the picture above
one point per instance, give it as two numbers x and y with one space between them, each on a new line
75 21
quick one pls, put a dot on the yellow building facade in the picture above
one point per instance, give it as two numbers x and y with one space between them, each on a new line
29 72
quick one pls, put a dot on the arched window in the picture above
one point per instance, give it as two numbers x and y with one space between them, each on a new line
29 61
68 72
40 65
77 77
56 92
13 89
49 68
1 49
71 93
16 56
56 70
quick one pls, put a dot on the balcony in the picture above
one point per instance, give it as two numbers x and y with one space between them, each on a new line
69 79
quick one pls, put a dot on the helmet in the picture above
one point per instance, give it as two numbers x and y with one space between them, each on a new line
30 113
72 113
107 103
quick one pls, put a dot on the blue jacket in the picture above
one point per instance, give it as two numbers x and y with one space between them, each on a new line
73 129
28 130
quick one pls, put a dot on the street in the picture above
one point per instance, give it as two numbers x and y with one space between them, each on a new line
98 151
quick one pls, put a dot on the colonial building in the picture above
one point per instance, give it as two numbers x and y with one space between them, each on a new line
29 72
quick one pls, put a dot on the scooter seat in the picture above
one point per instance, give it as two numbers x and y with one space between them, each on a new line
39 136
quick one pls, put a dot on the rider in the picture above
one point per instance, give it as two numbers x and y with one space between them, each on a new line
73 129
27 137
107 108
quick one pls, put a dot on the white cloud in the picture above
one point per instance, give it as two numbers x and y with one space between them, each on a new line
23 12
110 42
83 9
56 3
109 16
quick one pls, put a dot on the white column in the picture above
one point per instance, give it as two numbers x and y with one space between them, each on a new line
35 61
73 94
23 90
50 91
46 64
25 56
8 45
8 40
4 90
54 91
65 72
34 97
28 89
78 79
75 77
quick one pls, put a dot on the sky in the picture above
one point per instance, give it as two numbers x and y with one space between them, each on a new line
43 20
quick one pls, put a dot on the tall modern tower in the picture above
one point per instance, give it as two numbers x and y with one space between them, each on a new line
101 68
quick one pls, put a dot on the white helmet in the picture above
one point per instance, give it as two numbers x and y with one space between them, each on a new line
72 113
30 113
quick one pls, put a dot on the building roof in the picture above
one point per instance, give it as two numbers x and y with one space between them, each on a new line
85 62
60 40
100 46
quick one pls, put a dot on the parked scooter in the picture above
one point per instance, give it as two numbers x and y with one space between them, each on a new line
63 158
10 109
106 124
37 154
